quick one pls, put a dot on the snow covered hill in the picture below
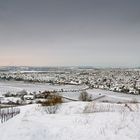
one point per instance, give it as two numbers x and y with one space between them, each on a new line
73 121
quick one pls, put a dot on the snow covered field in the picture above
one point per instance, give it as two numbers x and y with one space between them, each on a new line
13 86
113 116
110 96
71 122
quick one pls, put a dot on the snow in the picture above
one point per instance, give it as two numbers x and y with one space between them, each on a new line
111 96
13 86
97 120
12 99
71 123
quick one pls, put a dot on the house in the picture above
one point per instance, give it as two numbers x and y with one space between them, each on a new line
28 97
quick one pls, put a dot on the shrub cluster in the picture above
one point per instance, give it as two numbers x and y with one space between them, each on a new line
52 100
84 96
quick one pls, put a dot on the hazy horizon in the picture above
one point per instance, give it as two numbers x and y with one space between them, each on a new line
98 33
68 66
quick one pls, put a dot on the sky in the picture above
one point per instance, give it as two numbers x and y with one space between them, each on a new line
101 33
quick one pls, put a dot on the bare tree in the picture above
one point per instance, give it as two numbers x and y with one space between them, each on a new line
84 96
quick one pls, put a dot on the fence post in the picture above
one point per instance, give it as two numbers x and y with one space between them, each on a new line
8 113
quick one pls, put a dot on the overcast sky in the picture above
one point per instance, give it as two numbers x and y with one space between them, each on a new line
102 33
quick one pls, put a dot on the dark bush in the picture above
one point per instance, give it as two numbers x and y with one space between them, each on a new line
52 100
51 109
84 96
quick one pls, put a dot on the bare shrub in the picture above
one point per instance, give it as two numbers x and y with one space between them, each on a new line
124 115
51 104
84 96
51 109
89 108
52 100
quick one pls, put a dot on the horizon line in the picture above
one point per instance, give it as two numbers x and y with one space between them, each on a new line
54 66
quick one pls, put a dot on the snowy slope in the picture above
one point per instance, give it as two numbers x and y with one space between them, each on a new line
71 123
111 96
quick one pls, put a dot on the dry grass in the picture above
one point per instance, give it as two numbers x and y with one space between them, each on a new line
52 100
51 109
